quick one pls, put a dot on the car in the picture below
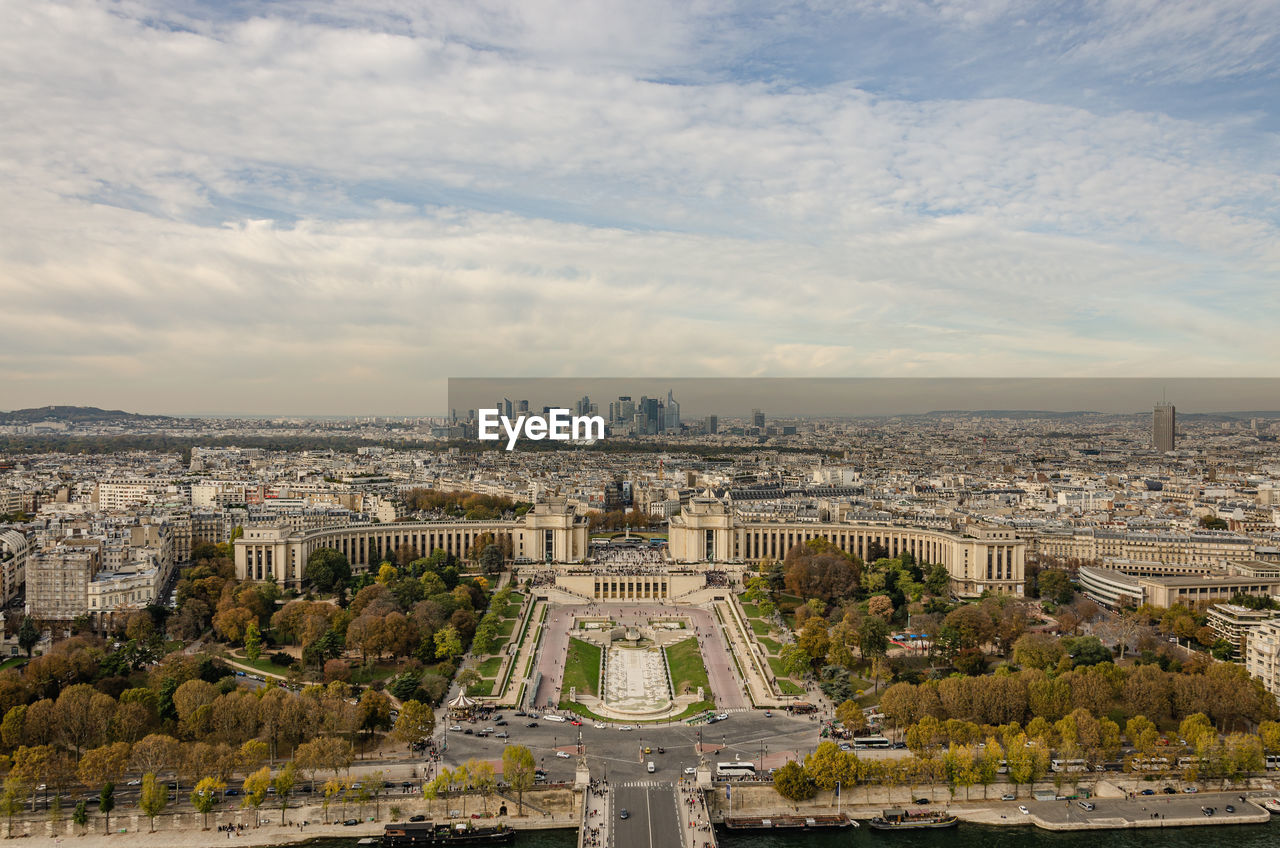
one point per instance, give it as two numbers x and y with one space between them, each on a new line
488 729
482 734
1087 806
661 750
502 734
502 722
722 717
417 818
231 793
468 732
648 750
899 745
564 755
1022 809
1147 792
650 767
357 785
921 802
1169 790
626 727
520 713
768 714
1008 797
600 725
556 718
690 770
531 724
533 716
846 747
1208 811
351 822
1190 790
576 723
457 728
1229 808
624 814
134 782
540 770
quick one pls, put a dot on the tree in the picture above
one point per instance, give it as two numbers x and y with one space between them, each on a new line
327 569
205 795
491 559
13 800
255 791
373 784
795 661
483 779
873 637
107 803
252 641
154 797
517 770
819 569
794 783
1056 586
28 635
448 643
851 716
80 815
284 783
105 765
417 722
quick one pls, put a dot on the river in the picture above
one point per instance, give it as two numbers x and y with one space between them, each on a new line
963 836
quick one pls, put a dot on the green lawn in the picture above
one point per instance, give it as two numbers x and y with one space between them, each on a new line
508 625
769 645
482 689
378 671
751 610
489 668
687 669
760 628
262 664
788 688
582 668
511 610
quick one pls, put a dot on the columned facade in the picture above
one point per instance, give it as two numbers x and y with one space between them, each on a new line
550 532
979 559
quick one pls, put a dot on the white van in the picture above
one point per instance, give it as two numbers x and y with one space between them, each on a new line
650 767
555 718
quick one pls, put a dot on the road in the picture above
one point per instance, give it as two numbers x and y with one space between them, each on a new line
723 676
617 754
1180 806
653 821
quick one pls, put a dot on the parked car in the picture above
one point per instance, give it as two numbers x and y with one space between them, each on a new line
502 734
532 724
1190 790
1147 792
502 722
1008 797
457 728
1087 806
419 817
922 802
351 822
690 770
1169 790
1022 809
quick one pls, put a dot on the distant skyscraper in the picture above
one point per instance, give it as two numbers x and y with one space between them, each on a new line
1162 427
757 418
711 424
671 413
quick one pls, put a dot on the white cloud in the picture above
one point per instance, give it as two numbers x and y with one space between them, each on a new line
252 213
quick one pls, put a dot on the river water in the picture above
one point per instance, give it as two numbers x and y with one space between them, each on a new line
963 836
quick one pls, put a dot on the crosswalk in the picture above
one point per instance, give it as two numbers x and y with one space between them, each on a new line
646 784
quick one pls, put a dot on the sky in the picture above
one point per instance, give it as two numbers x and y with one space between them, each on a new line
305 207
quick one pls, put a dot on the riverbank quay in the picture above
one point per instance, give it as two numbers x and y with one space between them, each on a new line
545 809
1113 811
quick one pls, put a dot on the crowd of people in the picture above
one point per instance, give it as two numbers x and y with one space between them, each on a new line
597 793
698 815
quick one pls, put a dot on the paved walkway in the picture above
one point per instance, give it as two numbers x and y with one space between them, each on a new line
695 818
597 815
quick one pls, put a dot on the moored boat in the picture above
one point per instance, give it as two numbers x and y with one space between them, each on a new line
416 834
912 819
1271 805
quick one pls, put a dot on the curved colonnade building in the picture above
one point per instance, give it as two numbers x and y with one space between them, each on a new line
707 531
978 559
550 532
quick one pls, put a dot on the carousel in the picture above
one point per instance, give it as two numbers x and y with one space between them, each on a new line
462 706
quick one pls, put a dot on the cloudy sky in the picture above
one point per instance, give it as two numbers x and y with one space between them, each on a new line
311 207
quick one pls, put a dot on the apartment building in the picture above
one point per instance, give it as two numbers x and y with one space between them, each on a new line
1262 655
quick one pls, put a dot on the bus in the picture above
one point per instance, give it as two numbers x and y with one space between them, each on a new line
1150 764
1273 761
735 770
866 742
1068 765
